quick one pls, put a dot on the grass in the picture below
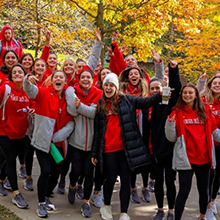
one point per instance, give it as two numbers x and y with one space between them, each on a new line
6 214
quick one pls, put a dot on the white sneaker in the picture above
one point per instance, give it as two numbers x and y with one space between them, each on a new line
125 216
214 208
106 212
210 215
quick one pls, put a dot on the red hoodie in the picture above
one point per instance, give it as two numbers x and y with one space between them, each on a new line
197 134
9 45
16 121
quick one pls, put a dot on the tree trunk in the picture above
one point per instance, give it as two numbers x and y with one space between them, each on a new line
100 24
38 21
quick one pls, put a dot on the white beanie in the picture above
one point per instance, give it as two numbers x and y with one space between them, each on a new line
111 78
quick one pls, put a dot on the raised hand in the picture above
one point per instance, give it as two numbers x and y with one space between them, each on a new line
98 34
173 63
155 55
203 76
110 52
114 36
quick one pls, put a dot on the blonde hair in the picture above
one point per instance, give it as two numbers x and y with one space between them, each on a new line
74 63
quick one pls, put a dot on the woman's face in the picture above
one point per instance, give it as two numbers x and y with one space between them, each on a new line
8 34
39 67
215 86
27 62
17 75
109 89
188 95
80 65
52 60
134 77
69 67
85 80
103 74
155 87
58 81
166 71
10 60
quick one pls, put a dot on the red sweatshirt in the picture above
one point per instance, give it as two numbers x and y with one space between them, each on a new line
9 45
16 121
112 142
196 133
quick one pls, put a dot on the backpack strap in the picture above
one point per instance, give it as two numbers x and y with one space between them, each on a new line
4 100
16 42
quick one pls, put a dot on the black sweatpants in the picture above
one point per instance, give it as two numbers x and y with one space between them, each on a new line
202 173
115 163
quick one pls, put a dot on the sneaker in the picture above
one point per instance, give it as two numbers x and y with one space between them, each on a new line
214 208
151 186
79 192
159 215
7 184
134 196
85 209
125 216
97 200
22 172
19 201
42 211
170 216
28 184
209 215
72 195
61 187
146 195
3 192
106 212
118 180
49 205
202 218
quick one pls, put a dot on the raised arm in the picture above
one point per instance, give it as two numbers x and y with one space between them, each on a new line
96 51
46 50
158 64
30 89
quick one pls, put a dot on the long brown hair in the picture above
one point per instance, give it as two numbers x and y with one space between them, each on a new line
198 104
123 81
102 106
207 92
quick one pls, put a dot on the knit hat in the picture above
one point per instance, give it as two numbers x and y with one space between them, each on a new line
111 78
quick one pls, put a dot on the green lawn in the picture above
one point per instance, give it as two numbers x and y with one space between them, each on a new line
6 214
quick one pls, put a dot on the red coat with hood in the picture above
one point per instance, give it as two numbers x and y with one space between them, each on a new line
9 45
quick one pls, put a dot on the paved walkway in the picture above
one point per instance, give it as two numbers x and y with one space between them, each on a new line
66 211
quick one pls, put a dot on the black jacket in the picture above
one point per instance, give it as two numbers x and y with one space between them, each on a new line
162 148
134 146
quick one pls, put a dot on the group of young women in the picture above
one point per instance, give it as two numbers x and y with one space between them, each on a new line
111 120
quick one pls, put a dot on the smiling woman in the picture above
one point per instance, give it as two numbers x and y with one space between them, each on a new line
50 110
14 107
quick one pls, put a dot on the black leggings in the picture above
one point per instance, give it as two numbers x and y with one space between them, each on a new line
29 157
11 148
202 173
144 178
81 161
49 173
165 167
217 174
115 163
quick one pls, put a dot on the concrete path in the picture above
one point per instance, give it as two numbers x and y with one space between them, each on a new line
65 211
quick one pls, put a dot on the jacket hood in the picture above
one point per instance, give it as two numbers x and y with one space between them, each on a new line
3 31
